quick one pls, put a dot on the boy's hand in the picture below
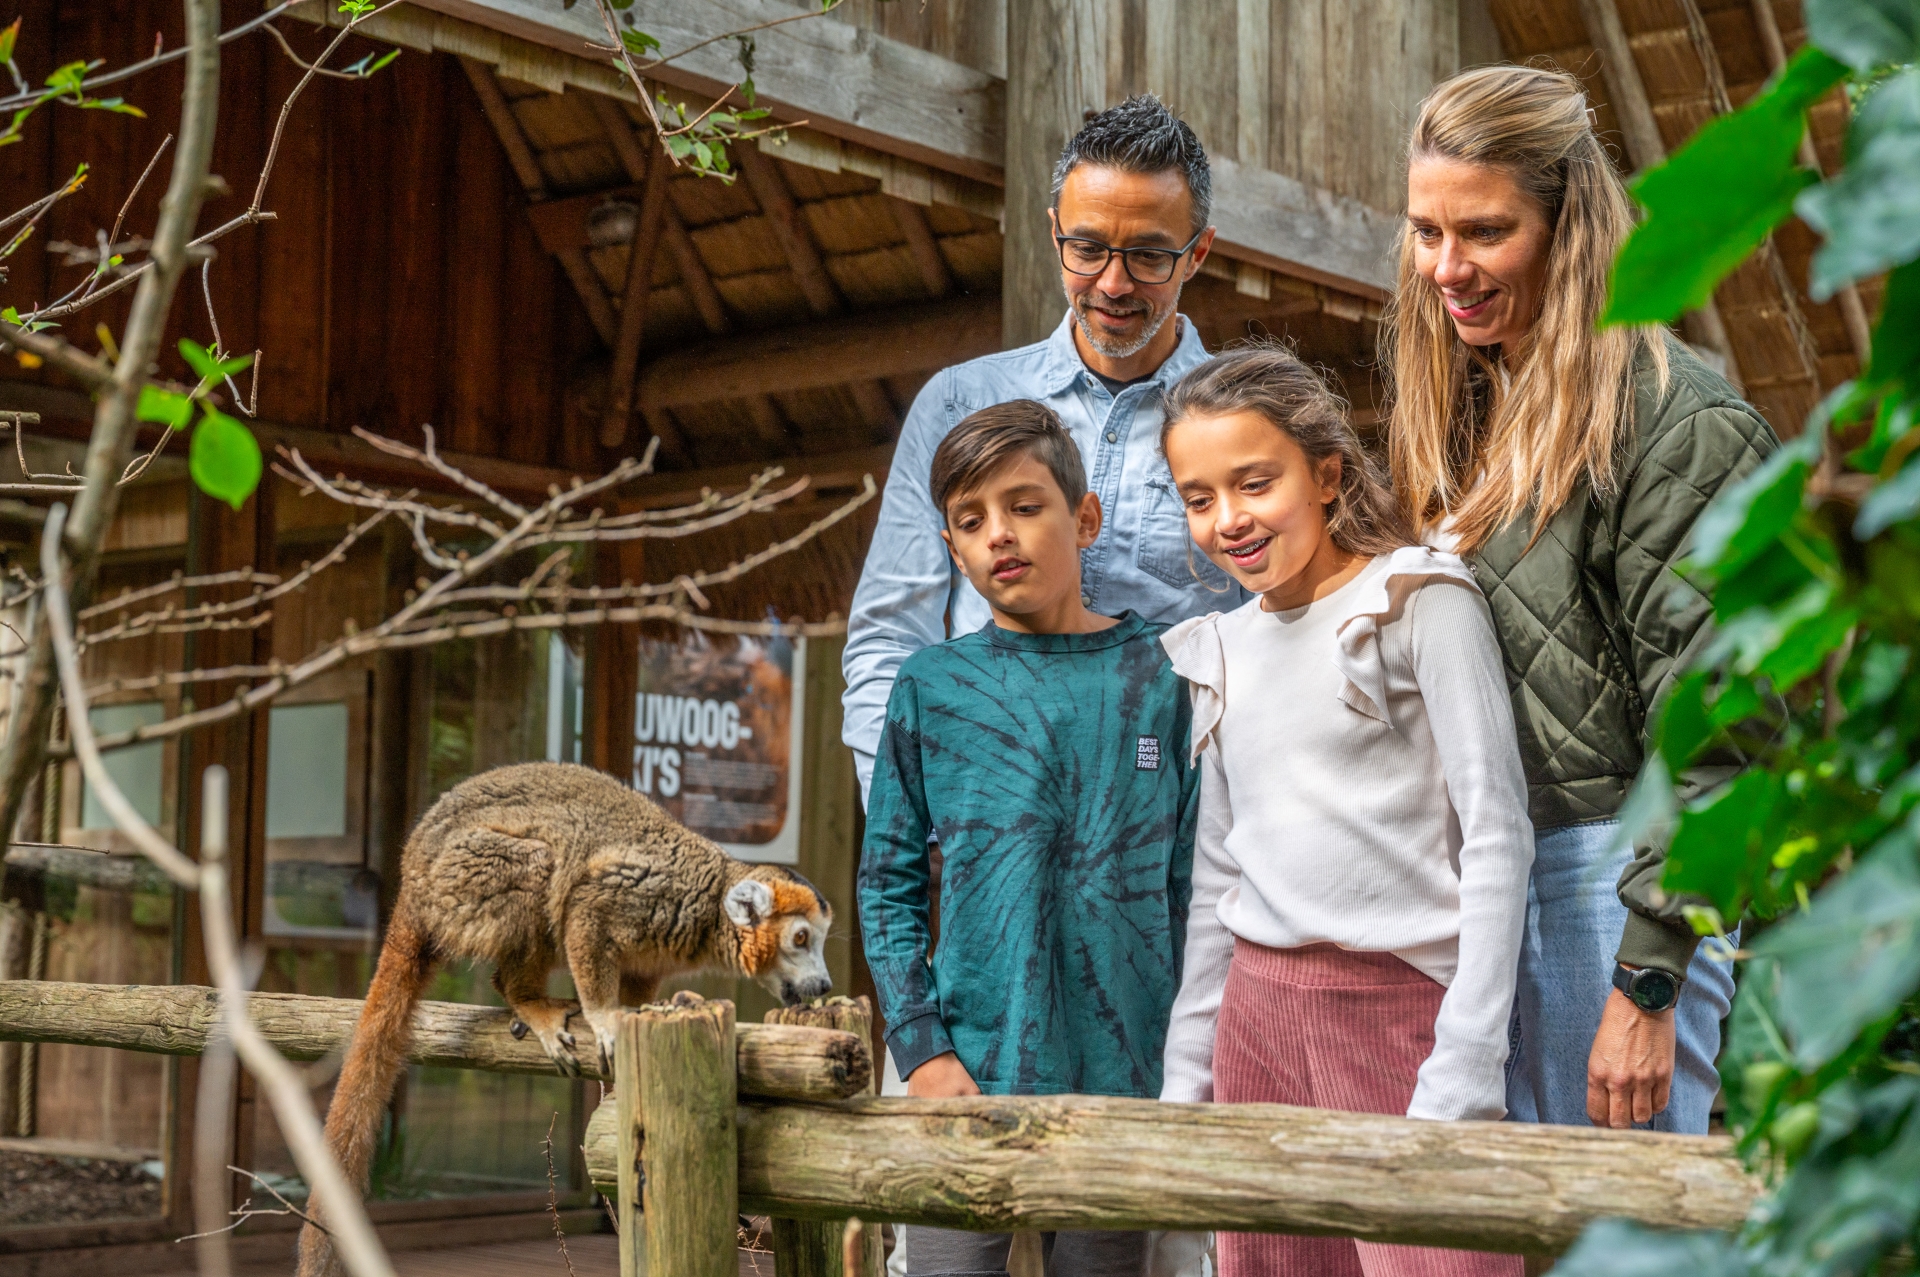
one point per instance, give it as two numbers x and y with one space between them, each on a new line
942 1077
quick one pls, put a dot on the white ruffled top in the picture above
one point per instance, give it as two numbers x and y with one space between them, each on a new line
1361 786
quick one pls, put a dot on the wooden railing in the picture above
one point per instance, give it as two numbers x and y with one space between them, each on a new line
783 1124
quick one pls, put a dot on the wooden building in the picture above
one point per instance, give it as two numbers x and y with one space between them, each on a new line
480 237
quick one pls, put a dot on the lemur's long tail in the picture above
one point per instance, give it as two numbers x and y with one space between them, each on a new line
372 1066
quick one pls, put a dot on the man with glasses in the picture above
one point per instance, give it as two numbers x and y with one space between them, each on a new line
1131 199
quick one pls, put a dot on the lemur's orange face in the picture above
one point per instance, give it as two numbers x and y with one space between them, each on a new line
783 941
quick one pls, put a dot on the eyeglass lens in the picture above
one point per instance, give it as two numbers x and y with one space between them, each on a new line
1144 265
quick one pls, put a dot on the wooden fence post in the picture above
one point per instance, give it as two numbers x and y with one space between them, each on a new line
815 1248
682 1056
626 1097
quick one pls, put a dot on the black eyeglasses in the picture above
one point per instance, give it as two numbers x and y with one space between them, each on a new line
1089 257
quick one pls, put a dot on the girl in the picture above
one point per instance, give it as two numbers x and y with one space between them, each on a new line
1568 466
1360 869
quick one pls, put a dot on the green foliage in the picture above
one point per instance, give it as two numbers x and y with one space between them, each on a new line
1815 582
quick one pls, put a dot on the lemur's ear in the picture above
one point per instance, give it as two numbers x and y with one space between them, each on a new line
748 901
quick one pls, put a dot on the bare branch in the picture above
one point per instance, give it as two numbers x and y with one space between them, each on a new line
430 457
113 236
28 96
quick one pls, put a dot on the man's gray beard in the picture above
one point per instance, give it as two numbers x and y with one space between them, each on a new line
1122 350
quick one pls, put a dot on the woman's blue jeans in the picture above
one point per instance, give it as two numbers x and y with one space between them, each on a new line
1566 972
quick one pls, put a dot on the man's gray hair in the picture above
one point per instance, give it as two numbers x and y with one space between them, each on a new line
1141 136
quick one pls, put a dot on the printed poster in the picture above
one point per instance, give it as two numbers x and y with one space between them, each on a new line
717 742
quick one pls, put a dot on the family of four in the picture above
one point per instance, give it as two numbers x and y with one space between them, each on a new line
1258 770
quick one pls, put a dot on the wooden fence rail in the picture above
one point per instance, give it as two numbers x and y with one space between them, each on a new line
775 1060
805 1151
1100 1162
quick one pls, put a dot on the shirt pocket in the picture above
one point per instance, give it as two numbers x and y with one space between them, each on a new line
1166 550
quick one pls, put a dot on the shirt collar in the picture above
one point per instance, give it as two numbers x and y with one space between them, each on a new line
1064 365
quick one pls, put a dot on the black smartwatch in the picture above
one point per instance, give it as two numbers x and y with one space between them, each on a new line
1649 988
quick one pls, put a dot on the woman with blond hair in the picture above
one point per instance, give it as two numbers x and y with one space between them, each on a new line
1568 466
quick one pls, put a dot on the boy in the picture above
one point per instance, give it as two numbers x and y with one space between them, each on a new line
1046 755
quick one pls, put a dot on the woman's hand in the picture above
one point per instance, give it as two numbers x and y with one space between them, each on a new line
942 1077
1630 1070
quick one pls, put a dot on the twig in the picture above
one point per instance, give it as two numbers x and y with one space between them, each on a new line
292 1105
113 237
127 72
553 1199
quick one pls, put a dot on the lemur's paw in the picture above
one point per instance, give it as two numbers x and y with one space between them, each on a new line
603 1038
548 1023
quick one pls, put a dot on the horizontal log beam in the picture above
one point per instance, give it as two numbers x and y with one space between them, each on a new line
850 83
845 81
28 868
777 1060
868 347
1095 1162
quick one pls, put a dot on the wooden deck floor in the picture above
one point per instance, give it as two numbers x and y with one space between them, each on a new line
593 1255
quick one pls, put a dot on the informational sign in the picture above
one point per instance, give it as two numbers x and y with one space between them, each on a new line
717 740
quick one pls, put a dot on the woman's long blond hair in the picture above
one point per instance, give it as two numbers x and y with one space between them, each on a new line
1481 444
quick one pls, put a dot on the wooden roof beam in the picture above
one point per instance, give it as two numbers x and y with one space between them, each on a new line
789 228
1645 146
859 86
694 276
526 167
634 300
925 247
869 347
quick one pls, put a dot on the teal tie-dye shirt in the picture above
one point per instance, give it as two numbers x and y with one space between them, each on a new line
1052 771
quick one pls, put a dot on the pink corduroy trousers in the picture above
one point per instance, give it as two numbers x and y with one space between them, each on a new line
1326 1027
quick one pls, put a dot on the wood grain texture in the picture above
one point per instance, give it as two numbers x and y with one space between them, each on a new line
814 1247
869 347
1100 1162
789 228
629 1182
779 1060
1273 220
682 1060
634 299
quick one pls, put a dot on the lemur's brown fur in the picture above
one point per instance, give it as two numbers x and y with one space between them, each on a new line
528 864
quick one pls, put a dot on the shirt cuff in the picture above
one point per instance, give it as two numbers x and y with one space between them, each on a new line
916 1042
1647 942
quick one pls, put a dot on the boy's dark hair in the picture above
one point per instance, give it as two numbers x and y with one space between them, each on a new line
986 440
1141 136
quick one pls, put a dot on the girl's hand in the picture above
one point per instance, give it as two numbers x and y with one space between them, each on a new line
1630 1070
942 1077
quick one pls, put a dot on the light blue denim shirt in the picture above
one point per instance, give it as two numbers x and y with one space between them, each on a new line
1143 560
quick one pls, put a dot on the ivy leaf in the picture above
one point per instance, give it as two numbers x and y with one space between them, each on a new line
1896 337
639 43
1865 34
1895 501
224 458
1854 956
166 407
1717 198
1869 213
1750 515
8 36
1719 838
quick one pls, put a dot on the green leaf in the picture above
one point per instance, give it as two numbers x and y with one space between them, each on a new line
1615 1248
1896 335
384 60
1894 501
1890 425
8 36
1865 34
224 458
639 43
166 407
1854 956
67 78
1714 201
1684 724
1717 843
206 366
1803 648
1748 516
1869 213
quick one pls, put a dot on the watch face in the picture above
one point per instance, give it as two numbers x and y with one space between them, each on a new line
1653 990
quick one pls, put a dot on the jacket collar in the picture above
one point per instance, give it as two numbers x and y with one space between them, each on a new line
1063 365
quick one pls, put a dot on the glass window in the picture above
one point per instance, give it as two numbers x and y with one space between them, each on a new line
307 771
137 769
566 695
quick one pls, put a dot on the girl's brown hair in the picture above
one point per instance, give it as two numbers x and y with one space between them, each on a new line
1480 443
1267 379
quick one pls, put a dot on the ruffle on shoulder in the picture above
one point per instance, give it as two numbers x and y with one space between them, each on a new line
1358 656
1194 647
1198 655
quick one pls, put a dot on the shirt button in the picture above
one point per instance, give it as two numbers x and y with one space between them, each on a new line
1112 437
1086 600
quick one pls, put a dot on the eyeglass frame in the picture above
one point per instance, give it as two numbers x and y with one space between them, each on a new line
1060 243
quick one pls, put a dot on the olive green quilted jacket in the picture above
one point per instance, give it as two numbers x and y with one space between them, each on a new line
1596 625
